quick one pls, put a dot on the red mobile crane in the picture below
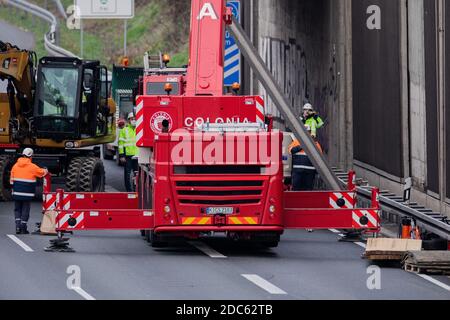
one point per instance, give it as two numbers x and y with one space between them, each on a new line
209 162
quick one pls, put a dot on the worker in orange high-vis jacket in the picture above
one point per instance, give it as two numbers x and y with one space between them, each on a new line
303 171
23 179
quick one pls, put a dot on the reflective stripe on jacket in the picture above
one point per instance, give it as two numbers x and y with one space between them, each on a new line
300 161
127 142
23 179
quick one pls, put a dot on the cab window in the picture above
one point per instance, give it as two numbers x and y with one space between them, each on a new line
157 88
58 92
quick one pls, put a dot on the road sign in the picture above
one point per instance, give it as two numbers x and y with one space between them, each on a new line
232 70
104 9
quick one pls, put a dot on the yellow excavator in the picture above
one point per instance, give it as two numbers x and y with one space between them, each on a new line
62 109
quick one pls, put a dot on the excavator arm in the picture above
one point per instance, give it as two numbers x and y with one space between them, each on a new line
18 68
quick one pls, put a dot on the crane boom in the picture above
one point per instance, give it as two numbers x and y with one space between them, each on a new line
205 69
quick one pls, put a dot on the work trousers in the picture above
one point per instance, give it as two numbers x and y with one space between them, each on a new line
22 213
303 179
131 165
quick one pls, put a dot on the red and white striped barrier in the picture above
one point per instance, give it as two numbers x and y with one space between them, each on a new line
260 110
140 122
50 200
342 200
63 221
372 218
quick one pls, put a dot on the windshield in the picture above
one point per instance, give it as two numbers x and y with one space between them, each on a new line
125 107
58 96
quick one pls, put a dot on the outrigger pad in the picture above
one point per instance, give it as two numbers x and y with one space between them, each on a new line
59 245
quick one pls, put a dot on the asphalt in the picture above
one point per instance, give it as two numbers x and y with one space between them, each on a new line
16 36
121 265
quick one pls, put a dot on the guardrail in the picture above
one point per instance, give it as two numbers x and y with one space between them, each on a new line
51 40
430 221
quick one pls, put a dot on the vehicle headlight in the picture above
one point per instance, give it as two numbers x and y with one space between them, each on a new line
272 209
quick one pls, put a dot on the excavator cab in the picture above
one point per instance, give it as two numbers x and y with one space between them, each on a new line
71 100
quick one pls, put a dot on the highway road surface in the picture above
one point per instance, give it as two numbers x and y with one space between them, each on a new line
14 35
121 265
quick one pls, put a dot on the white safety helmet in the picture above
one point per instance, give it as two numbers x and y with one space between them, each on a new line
28 152
130 115
308 107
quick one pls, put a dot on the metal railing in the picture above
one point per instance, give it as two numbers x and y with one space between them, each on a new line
51 38
430 221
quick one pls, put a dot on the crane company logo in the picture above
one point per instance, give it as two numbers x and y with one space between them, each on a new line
207 11
199 122
156 122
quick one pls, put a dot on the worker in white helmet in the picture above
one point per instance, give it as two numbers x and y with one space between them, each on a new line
311 119
24 175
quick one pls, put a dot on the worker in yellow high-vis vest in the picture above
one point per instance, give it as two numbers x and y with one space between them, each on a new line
128 150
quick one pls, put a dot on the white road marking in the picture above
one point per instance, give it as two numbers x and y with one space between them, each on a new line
362 245
83 293
203 247
334 230
434 281
20 243
263 284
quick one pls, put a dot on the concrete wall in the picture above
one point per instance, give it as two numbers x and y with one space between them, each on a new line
426 107
304 45
417 94
307 45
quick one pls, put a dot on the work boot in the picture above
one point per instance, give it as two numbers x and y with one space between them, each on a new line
24 229
18 231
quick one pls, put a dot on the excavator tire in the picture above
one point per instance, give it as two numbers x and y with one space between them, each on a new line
92 176
6 164
73 174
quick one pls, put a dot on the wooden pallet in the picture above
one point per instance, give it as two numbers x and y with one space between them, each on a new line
380 249
384 256
429 262
425 270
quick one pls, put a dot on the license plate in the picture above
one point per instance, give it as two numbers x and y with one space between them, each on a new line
219 210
